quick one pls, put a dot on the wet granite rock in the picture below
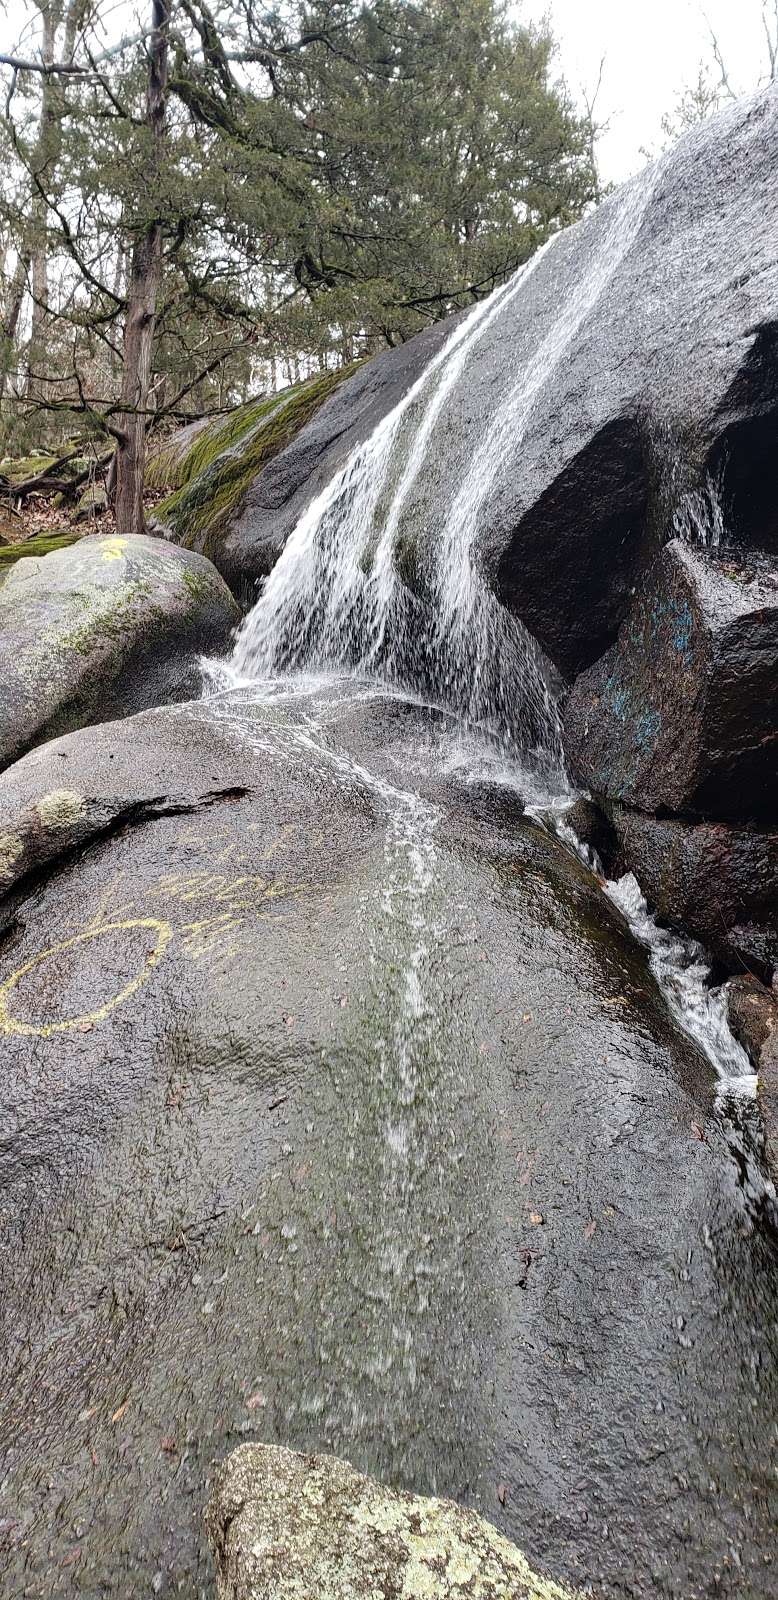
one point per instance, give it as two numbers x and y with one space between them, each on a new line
592 827
767 1094
284 1525
713 880
752 1011
208 938
104 628
681 714
634 366
626 386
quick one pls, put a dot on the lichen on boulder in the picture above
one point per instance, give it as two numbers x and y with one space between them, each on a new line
104 629
285 1526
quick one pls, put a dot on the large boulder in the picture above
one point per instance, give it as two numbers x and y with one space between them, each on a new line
657 379
716 881
625 386
104 628
283 1525
681 715
350 1120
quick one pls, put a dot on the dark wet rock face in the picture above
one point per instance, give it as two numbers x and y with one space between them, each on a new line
593 828
675 729
768 1098
681 715
102 629
297 1074
716 881
753 1014
753 1017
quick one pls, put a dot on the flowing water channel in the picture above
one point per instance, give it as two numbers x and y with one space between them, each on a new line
360 605
337 600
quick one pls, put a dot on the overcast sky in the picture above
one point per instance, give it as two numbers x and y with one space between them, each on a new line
652 50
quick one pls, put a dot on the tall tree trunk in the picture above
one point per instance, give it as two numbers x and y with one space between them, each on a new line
45 156
142 295
10 322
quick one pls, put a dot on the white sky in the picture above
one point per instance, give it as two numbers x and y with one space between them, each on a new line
652 50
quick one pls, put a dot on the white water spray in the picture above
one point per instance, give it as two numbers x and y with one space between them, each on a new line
357 586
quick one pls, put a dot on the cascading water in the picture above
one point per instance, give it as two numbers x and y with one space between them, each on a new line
699 517
359 587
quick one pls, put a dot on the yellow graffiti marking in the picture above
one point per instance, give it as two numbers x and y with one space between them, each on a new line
11 1024
206 937
113 548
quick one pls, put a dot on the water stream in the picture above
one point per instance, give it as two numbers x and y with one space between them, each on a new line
359 590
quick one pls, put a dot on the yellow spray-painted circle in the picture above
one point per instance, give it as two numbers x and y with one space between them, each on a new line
11 1024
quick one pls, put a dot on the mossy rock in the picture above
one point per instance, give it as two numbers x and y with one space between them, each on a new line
11 553
211 476
18 469
103 631
93 502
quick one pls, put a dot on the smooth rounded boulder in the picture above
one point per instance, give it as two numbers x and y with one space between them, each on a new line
103 629
342 1113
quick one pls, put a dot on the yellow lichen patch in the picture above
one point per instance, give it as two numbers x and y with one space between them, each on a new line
113 548
295 1526
457 1553
383 1515
11 848
60 808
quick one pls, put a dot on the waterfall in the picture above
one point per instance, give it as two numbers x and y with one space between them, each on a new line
381 577
360 587
699 516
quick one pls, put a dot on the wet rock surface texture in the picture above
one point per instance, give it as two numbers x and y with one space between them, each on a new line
219 1229
340 1109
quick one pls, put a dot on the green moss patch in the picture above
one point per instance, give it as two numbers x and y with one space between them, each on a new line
173 466
222 463
20 469
10 553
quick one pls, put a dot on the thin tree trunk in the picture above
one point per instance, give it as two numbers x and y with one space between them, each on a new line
10 322
142 296
46 154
